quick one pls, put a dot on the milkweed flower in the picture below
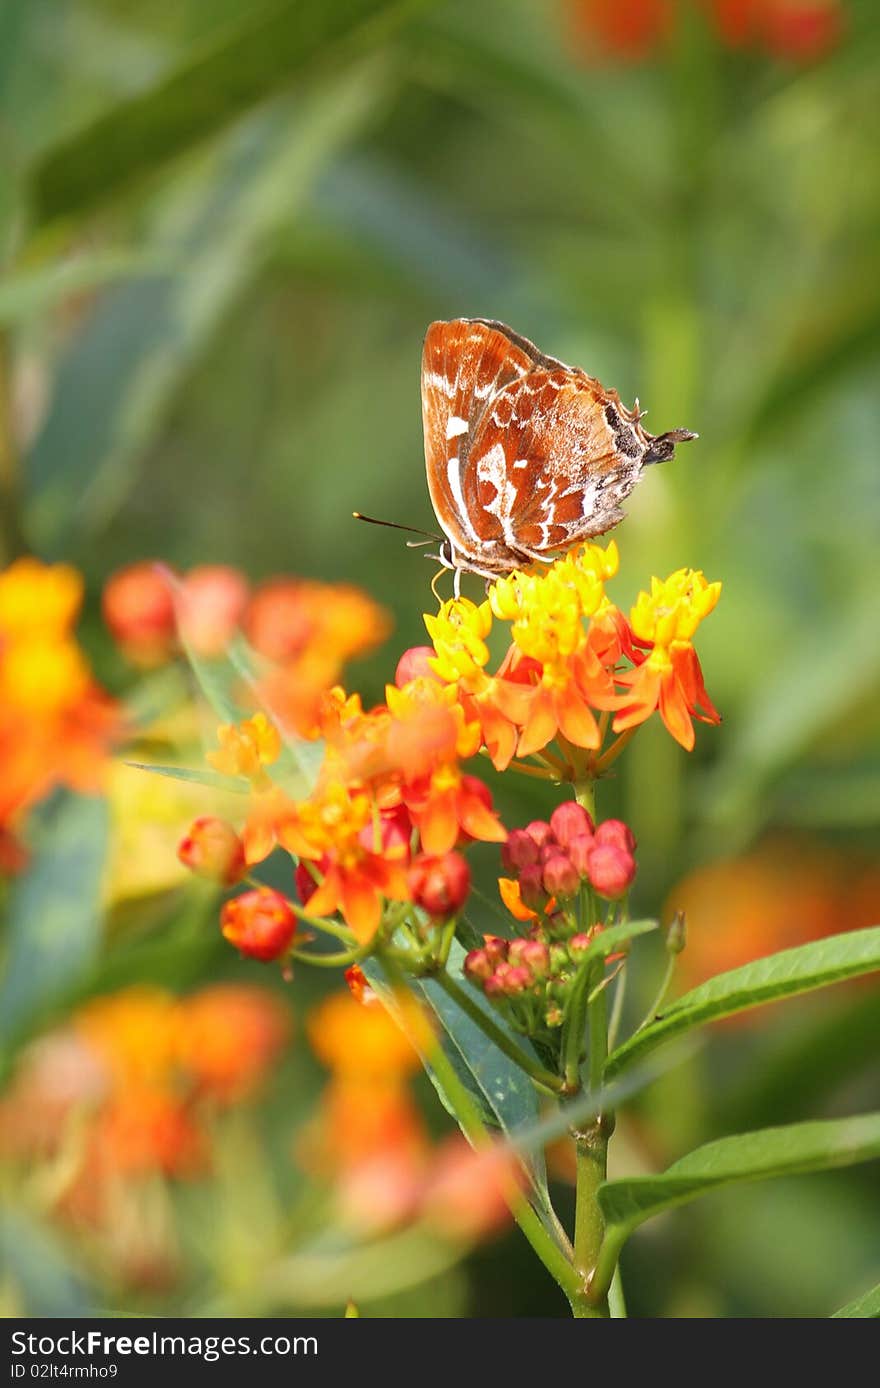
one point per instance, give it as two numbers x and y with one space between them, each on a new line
247 748
670 678
260 923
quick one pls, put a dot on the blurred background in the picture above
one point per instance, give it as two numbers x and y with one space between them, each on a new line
224 229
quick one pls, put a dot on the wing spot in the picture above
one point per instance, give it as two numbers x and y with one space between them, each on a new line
455 426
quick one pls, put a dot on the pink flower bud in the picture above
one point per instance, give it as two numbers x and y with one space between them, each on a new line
579 850
568 820
539 831
560 876
213 849
477 966
395 834
612 870
413 665
614 831
532 955
510 980
531 888
580 943
496 947
440 885
520 850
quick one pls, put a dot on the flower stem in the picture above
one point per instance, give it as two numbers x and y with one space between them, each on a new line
585 794
592 1160
601 765
536 1072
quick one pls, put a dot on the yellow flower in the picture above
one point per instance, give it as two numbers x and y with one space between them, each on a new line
674 608
38 599
547 609
245 748
42 675
459 634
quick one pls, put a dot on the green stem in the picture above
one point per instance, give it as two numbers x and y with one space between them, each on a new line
617 1008
661 993
585 795
592 1159
601 765
469 1120
545 1079
11 539
331 961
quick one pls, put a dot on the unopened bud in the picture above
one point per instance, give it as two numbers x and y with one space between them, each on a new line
560 877
440 885
211 603
559 958
612 870
615 832
579 850
676 933
510 979
555 1015
531 888
138 608
496 947
532 955
477 966
260 923
413 665
520 850
580 943
212 849
568 820
539 831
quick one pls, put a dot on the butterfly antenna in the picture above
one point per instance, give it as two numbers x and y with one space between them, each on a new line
393 525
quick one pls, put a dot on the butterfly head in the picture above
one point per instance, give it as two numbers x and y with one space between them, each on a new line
661 447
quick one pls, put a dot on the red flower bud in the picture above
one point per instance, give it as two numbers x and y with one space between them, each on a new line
260 923
560 876
509 980
138 608
496 947
359 986
440 885
520 850
213 849
612 870
413 665
395 834
532 955
614 831
531 888
568 820
539 831
579 852
478 967
210 606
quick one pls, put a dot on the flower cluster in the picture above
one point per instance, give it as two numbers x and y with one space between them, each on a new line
306 631
563 871
632 30
573 654
55 722
144 1072
369 1139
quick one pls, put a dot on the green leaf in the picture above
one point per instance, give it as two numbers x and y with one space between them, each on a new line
785 1151
781 975
37 291
115 383
864 1307
261 54
55 916
237 784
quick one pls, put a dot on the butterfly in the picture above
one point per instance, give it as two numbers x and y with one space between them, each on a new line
525 456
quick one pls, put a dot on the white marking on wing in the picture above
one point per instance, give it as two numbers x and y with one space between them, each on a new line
521 462
455 426
439 381
453 475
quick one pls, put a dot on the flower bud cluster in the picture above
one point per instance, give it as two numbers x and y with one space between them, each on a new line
560 869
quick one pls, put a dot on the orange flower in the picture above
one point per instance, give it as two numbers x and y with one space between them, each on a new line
670 677
363 1041
331 827
228 1038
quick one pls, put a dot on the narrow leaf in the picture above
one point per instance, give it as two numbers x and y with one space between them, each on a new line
864 1307
781 975
55 914
262 53
237 784
785 1151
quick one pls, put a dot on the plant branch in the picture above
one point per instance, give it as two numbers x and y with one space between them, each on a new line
545 1079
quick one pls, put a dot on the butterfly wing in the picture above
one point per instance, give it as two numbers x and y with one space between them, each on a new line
465 363
550 461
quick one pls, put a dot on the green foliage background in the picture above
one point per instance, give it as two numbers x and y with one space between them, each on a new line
225 228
